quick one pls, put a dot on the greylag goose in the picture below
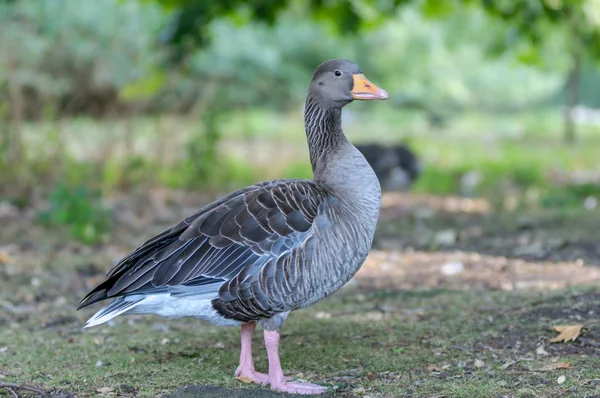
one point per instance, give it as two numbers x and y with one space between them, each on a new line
267 249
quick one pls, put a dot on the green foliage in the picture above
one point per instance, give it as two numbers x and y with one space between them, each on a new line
202 157
536 20
530 21
571 195
189 28
73 55
79 209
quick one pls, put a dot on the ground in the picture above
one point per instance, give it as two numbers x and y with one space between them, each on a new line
456 300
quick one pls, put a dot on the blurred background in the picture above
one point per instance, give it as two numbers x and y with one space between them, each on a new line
118 118
126 97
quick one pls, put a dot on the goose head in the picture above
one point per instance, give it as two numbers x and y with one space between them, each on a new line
338 82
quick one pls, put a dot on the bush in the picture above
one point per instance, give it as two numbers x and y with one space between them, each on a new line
79 209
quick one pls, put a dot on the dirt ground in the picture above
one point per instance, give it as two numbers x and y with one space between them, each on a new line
455 300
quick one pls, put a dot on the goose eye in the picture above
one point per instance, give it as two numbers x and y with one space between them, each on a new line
338 73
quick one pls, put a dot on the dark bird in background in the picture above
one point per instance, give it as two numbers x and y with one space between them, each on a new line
396 166
268 249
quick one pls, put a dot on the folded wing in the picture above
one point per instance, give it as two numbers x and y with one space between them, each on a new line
246 251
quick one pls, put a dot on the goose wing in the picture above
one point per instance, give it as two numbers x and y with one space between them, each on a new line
246 250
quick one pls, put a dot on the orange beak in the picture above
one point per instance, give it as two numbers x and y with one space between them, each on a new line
365 90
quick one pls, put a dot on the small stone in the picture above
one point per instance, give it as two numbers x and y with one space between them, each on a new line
479 363
541 350
99 363
165 341
220 344
322 315
452 268
561 379
445 238
590 203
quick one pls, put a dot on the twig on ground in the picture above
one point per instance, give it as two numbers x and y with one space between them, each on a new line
16 386
467 350
12 392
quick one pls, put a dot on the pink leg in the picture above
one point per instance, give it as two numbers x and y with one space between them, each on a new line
275 378
245 372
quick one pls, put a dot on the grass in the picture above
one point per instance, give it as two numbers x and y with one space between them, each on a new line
418 342
410 342
392 343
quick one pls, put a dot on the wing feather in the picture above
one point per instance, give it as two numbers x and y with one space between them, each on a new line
245 246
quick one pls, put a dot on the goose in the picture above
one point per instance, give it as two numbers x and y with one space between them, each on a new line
268 249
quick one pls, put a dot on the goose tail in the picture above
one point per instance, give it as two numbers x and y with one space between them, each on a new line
116 308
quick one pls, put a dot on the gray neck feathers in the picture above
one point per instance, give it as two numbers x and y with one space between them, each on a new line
335 161
324 133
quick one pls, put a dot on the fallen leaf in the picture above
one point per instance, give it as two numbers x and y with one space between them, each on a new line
434 368
105 390
244 379
567 333
561 365
4 259
561 379
554 366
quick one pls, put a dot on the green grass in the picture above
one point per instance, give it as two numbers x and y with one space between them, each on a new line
426 345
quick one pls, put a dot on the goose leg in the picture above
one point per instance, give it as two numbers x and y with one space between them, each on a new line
246 370
275 378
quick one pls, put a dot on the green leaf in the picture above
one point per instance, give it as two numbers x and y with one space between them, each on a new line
143 88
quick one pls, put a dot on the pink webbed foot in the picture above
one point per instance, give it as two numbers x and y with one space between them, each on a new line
297 387
246 372
276 379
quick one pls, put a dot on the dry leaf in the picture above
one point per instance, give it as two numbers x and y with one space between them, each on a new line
105 390
561 365
434 368
561 379
554 366
244 379
4 259
567 333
